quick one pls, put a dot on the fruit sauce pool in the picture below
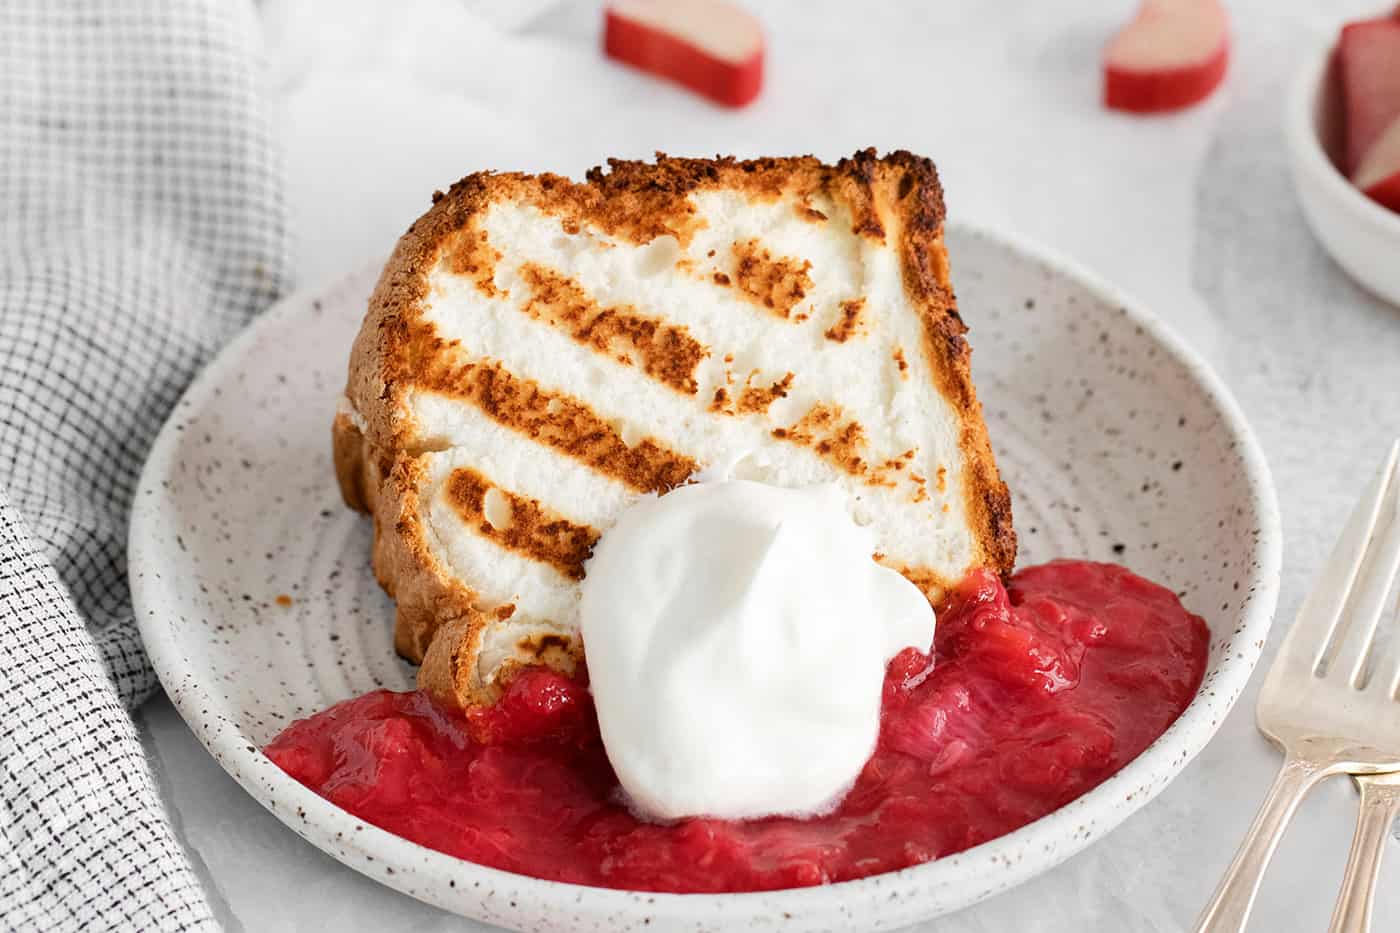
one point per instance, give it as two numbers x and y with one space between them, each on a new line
1041 690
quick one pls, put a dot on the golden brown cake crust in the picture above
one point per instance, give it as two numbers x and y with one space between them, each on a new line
897 195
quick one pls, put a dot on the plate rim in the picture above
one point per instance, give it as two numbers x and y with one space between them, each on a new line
971 875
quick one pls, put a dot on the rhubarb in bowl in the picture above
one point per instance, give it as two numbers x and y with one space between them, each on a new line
1360 232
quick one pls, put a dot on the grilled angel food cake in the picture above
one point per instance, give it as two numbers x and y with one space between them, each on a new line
539 353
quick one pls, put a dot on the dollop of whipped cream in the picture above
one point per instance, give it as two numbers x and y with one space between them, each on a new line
737 635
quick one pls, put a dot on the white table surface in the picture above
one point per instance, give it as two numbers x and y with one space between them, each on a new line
381 102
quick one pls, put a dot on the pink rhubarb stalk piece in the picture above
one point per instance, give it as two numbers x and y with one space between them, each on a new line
1378 175
1368 63
710 46
1172 55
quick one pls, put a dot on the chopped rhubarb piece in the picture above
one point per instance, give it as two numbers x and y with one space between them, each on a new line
1378 175
1172 55
712 47
1368 61
968 750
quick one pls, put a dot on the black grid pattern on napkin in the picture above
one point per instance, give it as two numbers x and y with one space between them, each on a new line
141 225
85 842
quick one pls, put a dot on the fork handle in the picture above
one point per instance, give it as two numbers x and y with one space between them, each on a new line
1379 804
1229 908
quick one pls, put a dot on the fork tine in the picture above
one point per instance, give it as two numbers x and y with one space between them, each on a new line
1390 677
1315 630
1358 654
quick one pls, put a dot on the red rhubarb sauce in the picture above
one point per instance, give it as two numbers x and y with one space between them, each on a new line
1041 689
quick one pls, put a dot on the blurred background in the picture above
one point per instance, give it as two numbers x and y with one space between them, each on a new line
380 103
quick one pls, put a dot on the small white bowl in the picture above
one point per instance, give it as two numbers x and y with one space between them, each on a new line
1362 236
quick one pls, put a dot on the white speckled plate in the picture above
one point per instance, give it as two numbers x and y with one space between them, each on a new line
255 598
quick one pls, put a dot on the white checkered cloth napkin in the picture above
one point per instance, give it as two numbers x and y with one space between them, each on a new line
141 225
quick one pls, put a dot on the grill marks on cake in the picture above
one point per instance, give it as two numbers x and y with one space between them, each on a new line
825 429
837 439
929 581
775 283
533 530
549 648
756 399
560 422
666 352
850 323
670 355
751 399
574 429
473 257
